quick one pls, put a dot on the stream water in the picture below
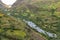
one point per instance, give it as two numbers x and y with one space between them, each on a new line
34 26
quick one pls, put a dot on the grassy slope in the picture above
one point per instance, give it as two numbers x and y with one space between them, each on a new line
41 14
14 29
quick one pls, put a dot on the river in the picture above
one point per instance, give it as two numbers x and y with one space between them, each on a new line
34 26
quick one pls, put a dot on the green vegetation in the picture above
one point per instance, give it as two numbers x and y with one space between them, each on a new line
9 26
45 14
12 28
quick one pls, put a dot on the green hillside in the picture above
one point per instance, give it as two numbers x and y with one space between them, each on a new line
44 13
